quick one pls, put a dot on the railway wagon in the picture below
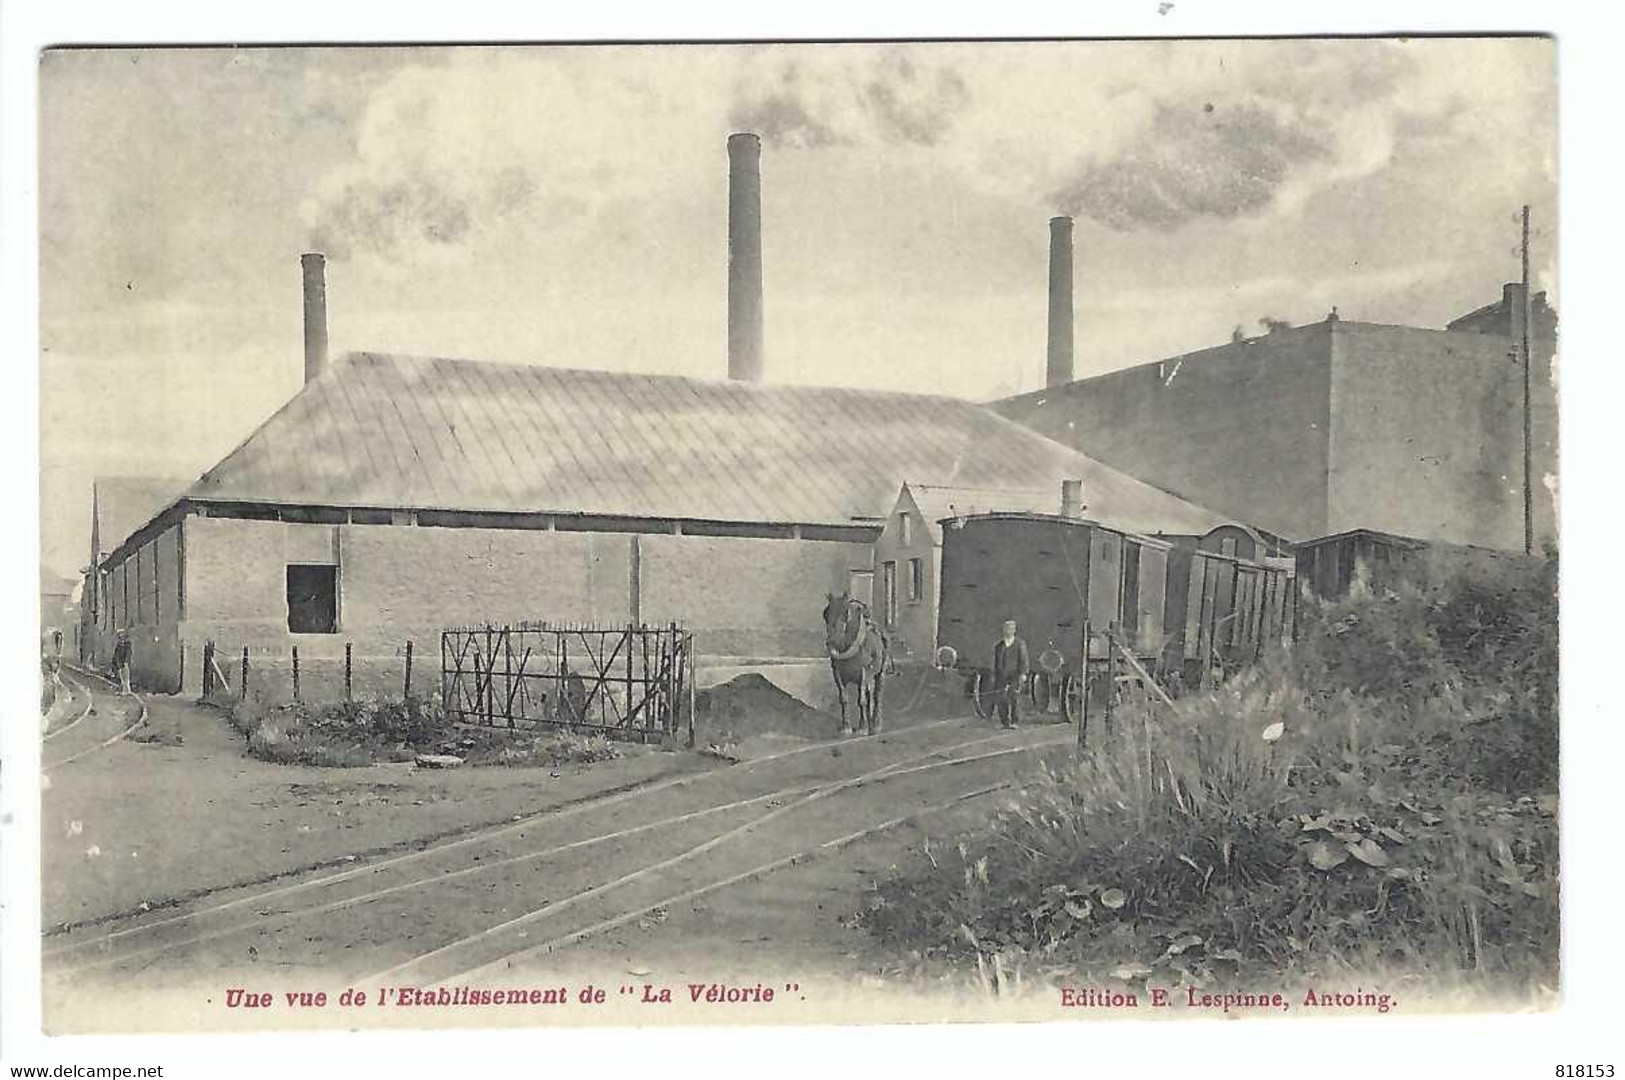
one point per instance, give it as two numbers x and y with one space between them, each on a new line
1181 609
1222 610
1051 574
1328 566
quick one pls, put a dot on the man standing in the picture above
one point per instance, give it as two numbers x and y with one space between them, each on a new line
121 661
1010 667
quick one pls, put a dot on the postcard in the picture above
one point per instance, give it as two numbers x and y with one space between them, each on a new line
749 533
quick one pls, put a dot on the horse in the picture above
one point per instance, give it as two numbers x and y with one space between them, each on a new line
858 656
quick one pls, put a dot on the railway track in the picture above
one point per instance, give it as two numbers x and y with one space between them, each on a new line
481 836
481 874
696 872
88 740
74 692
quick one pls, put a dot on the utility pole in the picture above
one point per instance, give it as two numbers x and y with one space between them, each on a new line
1528 364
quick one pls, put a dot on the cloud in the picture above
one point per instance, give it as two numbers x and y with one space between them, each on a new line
391 214
913 103
1246 129
1189 163
845 97
447 156
1159 136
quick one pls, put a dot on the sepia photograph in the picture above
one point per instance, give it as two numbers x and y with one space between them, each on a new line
796 533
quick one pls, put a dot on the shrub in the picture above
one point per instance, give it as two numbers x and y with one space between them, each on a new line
1481 637
340 734
1377 800
345 734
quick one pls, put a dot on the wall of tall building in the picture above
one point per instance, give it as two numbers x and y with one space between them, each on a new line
1427 436
1241 428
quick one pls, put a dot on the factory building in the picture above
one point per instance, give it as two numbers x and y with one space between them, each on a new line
1312 430
395 496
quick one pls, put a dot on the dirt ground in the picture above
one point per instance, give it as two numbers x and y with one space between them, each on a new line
179 809
188 812
142 832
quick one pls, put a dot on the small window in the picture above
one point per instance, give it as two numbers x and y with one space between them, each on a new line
313 600
905 529
916 580
888 594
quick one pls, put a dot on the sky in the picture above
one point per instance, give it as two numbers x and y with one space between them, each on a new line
568 206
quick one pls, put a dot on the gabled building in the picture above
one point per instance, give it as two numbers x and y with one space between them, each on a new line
395 496
908 553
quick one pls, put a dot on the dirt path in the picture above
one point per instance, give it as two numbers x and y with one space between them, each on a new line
776 850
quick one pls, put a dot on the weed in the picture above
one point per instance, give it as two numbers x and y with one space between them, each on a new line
1379 799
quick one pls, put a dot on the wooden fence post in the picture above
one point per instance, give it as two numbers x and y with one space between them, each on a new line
296 673
693 676
242 683
407 690
208 669
1083 678
347 694
1111 674
507 674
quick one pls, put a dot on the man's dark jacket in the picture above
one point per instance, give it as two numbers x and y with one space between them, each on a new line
1010 664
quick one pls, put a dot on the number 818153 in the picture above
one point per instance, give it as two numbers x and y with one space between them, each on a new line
1584 1071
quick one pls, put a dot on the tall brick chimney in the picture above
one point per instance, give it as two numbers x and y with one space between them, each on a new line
1058 370
745 257
314 265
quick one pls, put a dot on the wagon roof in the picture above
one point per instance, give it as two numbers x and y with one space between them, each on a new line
937 502
427 432
1091 522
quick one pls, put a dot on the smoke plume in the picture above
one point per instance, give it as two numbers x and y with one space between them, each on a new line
1195 162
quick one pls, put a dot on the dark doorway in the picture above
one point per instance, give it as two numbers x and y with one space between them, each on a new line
1131 590
313 606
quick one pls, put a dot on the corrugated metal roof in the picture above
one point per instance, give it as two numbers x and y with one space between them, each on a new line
125 503
414 432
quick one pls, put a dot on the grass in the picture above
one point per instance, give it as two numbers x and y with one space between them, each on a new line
1379 803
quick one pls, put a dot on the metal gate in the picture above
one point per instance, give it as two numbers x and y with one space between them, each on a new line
631 682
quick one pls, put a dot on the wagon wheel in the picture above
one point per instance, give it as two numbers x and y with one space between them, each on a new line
1042 691
982 694
1072 691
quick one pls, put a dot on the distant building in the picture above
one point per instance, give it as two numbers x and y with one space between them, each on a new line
57 612
1319 429
119 505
